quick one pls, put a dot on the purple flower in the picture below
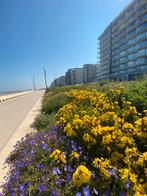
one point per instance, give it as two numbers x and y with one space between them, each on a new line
20 165
65 153
16 173
93 175
72 141
86 191
28 183
95 191
22 187
53 193
32 142
106 193
58 182
42 188
39 166
68 177
44 146
12 193
127 185
80 152
68 168
74 147
56 171
78 194
65 167
110 172
55 128
122 193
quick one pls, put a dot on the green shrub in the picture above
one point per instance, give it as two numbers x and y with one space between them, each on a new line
52 103
136 92
44 121
103 83
41 121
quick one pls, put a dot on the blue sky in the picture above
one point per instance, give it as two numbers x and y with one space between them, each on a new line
57 34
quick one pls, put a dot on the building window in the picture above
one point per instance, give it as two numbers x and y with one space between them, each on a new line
142 36
132 69
142 52
123 66
122 40
143 17
141 61
132 33
131 41
131 25
122 59
123 46
142 27
141 45
131 56
131 49
143 68
122 53
142 8
131 63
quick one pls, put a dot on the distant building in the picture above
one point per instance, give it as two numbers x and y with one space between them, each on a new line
91 72
76 76
123 44
61 81
53 84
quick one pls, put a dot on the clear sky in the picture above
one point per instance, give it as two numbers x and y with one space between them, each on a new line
57 34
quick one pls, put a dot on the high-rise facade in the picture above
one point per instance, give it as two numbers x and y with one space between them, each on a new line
76 76
58 82
91 72
123 44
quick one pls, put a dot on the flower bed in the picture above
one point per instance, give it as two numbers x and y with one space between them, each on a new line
97 148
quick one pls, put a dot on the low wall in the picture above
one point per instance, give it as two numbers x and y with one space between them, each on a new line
12 96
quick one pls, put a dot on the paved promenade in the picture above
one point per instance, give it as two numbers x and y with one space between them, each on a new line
16 116
12 113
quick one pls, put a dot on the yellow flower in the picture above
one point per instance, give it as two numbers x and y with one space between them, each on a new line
106 139
140 160
57 155
88 138
124 174
133 178
108 119
145 156
96 130
69 130
77 123
131 152
81 176
103 165
75 154
128 127
124 140
87 120
139 190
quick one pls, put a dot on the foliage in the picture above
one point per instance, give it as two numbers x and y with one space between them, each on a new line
136 92
44 121
51 103
98 147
